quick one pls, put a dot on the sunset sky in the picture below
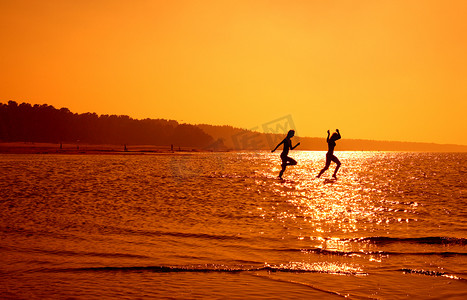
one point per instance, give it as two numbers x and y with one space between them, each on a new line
384 70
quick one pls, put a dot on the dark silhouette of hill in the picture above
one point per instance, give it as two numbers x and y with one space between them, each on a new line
242 139
46 124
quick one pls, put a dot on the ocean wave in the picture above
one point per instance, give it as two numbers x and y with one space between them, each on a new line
197 235
72 253
431 273
363 252
421 240
286 268
150 233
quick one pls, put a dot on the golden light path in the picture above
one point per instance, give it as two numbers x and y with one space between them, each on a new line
336 215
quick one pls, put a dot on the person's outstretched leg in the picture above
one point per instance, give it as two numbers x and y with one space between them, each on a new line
321 172
284 165
328 162
287 161
291 161
334 159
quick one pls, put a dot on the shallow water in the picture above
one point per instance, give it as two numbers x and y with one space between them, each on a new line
221 225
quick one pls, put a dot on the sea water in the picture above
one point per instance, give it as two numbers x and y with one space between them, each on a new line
222 225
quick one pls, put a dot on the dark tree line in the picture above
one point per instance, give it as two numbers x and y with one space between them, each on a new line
44 123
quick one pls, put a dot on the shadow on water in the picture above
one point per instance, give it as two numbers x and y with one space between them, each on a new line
327 180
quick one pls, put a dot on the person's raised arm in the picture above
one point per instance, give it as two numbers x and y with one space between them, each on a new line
278 146
295 146
338 134
327 139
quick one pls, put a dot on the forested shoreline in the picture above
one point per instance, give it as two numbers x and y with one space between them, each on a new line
46 124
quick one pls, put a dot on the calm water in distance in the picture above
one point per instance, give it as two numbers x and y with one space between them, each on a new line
221 225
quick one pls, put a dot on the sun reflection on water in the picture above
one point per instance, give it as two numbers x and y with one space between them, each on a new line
352 203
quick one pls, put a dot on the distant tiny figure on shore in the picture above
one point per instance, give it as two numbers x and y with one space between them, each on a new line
330 154
286 161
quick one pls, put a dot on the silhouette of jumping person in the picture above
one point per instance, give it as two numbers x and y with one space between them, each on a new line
286 161
330 155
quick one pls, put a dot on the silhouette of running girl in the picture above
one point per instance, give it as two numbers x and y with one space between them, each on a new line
286 161
330 155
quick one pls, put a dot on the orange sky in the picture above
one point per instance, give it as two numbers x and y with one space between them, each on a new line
385 70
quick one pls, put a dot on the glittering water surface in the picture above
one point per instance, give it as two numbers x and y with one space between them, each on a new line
221 225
